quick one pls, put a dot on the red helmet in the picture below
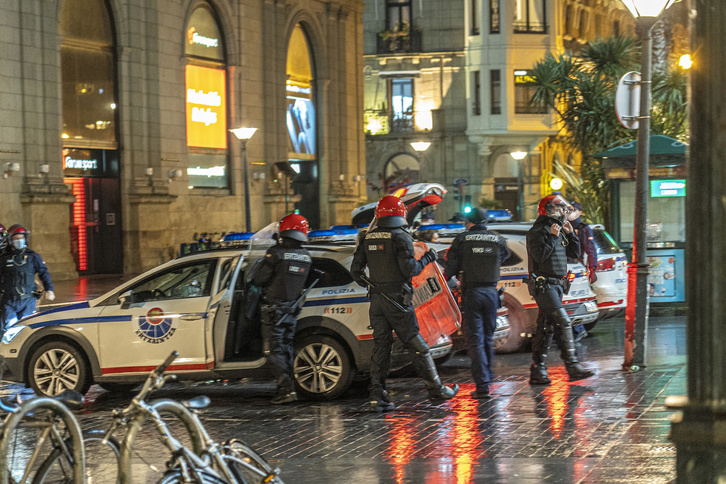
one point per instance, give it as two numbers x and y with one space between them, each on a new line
17 229
294 226
550 202
391 212
3 232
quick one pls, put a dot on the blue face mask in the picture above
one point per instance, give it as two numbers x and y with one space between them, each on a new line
20 244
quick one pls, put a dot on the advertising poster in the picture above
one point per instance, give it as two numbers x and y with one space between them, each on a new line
661 281
206 107
300 123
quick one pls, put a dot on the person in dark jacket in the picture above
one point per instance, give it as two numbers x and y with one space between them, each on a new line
387 250
588 254
20 265
550 241
475 257
282 275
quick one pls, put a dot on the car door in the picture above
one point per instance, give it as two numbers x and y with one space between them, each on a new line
163 312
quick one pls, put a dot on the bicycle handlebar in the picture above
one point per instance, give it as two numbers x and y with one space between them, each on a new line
167 363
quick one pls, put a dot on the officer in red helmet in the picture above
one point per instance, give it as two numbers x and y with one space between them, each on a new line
550 241
282 275
17 279
387 251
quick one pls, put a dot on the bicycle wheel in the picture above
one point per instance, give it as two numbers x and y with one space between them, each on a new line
175 477
247 466
101 462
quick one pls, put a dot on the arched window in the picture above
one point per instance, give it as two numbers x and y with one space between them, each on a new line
400 170
88 75
206 100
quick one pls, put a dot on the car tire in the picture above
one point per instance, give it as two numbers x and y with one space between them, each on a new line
58 366
114 387
322 367
518 325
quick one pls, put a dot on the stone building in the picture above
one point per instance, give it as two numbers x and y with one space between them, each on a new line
455 74
114 140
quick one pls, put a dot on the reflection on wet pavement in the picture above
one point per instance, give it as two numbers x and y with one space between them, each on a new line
612 427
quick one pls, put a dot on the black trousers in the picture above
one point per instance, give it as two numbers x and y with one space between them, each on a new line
279 330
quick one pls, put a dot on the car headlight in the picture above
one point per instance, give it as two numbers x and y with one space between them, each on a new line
11 333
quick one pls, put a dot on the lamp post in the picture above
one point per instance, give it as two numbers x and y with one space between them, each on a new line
519 156
243 135
646 13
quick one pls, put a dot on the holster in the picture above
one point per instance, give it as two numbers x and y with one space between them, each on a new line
407 294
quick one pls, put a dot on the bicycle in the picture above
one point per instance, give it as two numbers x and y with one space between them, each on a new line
205 462
33 425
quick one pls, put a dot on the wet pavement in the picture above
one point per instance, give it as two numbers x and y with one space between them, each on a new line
611 428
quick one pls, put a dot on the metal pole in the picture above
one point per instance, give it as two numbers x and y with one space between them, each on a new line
520 187
248 224
636 313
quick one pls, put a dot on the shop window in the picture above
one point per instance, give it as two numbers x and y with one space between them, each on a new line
524 89
494 20
476 87
475 13
88 75
206 100
495 87
401 104
530 16
398 15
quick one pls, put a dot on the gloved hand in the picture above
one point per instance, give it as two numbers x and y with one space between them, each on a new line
430 256
49 295
593 277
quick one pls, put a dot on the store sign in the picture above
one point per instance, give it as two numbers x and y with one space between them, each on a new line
668 188
206 105
523 77
89 162
195 37
203 36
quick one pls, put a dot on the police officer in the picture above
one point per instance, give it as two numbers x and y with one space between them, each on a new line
475 256
20 265
549 242
3 240
587 247
282 275
387 251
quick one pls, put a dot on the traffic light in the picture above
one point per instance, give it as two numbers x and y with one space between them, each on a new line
457 193
467 204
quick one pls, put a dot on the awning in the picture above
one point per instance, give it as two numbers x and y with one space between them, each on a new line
659 145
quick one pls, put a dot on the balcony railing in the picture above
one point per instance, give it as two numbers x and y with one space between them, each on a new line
401 42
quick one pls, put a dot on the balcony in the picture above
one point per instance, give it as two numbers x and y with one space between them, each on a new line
399 42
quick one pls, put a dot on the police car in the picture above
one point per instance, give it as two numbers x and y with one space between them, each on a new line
611 286
193 305
580 303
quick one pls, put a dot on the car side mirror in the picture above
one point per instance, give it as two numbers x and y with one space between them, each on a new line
125 299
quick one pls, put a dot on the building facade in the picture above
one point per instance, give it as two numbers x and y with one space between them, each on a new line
456 74
115 143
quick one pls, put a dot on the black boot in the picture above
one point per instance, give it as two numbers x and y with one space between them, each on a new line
285 391
379 401
540 347
426 370
566 342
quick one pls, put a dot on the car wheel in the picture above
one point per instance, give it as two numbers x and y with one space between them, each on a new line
58 366
322 367
518 324
114 387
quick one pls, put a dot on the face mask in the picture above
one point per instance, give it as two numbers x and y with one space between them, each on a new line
20 244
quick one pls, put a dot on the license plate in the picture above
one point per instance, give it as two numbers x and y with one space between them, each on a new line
591 306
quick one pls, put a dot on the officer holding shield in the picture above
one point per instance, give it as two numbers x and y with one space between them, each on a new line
387 251
475 257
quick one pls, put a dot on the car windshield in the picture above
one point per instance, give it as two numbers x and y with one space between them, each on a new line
604 243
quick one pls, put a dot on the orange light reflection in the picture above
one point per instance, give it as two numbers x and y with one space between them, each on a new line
402 444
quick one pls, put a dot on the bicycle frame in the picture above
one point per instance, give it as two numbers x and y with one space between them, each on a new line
19 417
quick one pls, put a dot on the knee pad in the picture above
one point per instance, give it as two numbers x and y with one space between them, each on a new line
418 345
560 318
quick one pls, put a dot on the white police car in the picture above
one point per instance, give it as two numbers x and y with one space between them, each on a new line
611 286
580 302
193 305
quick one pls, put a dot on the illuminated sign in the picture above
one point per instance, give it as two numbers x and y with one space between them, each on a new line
195 38
668 188
523 77
84 165
206 107
208 172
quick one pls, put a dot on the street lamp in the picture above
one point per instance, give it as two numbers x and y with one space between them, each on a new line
243 135
519 156
420 146
646 13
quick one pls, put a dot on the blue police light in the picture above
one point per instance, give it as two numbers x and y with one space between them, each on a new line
503 215
237 236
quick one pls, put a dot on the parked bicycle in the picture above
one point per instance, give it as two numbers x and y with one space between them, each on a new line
199 459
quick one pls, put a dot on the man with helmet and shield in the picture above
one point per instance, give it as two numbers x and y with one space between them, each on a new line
550 241
282 275
387 250
17 280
